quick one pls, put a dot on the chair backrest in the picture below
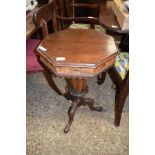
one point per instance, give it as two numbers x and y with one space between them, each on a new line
78 8
70 6
61 6
55 11
44 15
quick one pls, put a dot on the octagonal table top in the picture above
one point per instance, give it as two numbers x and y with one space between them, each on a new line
77 52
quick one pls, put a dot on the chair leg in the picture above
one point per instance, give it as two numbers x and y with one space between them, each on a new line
120 98
92 26
101 78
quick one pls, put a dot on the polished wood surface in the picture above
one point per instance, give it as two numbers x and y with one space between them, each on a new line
83 55
78 84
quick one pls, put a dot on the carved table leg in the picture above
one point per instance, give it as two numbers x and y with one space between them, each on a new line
71 113
76 90
90 103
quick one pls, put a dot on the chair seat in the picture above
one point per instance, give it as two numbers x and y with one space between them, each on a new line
122 64
31 59
86 26
79 26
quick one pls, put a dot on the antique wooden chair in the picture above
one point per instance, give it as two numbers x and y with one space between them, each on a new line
44 15
68 19
83 8
120 77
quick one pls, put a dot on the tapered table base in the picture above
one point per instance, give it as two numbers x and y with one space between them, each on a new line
76 89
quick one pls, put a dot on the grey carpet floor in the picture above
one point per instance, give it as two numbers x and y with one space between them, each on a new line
92 133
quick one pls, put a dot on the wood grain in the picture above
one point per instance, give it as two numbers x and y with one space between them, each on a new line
86 52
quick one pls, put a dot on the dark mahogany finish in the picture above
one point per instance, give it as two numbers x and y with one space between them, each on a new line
86 53
83 57
122 91
76 90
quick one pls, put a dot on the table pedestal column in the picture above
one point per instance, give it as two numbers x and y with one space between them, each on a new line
76 90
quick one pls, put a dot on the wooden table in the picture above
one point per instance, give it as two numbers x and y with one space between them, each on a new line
76 54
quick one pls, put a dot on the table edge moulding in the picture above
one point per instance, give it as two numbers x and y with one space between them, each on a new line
71 68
